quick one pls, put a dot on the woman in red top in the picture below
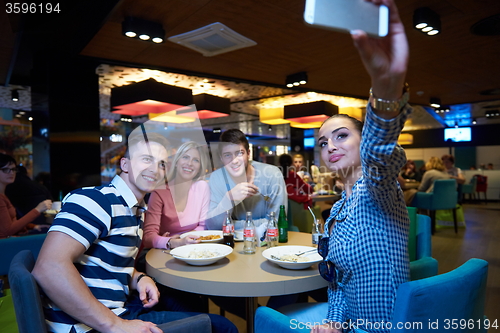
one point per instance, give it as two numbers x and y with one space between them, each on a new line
297 190
9 224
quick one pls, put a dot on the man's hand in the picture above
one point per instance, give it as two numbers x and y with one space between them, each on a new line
148 292
135 326
243 190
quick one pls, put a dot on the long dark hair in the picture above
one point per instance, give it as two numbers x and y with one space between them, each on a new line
6 159
286 162
357 123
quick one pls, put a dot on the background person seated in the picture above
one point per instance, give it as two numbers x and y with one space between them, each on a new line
410 171
9 223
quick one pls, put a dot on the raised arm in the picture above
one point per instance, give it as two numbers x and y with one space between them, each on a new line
385 59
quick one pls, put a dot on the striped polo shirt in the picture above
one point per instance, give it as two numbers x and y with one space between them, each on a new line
104 220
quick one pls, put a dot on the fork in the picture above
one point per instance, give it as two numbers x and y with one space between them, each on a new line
308 251
266 198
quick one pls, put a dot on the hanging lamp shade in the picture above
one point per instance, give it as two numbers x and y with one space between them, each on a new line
307 113
149 96
272 116
208 106
314 124
170 117
405 139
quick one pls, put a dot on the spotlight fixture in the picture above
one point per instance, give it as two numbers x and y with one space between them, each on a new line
15 95
474 121
427 21
443 109
270 128
296 79
435 102
134 27
126 119
492 113
456 124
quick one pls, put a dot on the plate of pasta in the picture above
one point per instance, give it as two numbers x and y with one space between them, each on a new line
293 256
206 236
201 254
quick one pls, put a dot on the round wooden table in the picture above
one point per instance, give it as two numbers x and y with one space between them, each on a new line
238 275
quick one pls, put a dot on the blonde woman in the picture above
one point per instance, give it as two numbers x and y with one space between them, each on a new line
183 205
435 170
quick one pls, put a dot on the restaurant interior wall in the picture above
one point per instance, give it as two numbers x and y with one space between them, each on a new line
482 135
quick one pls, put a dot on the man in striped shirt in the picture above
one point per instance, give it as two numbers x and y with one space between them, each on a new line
86 265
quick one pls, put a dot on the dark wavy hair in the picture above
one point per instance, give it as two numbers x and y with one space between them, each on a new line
6 159
233 136
285 162
357 123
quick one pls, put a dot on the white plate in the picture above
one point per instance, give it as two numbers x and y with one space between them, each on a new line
279 251
206 233
182 252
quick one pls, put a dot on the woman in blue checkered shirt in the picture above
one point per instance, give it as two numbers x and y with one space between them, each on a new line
366 249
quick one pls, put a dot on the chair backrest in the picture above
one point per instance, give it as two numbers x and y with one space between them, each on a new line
9 247
25 294
458 294
423 236
481 183
445 195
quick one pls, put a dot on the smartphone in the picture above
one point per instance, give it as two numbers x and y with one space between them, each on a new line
347 15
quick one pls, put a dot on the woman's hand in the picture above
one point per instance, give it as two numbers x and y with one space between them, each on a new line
43 206
386 58
189 239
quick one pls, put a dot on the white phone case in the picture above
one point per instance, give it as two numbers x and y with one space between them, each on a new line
347 15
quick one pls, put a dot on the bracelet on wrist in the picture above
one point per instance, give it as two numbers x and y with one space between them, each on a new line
145 275
390 106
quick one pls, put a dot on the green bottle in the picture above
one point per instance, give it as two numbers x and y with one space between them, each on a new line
282 226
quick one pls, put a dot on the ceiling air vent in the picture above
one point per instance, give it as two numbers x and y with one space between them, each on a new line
212 39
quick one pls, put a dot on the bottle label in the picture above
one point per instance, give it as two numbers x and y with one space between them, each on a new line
228 229
248 233
272 232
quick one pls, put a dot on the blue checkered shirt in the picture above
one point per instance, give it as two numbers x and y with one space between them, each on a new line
369 245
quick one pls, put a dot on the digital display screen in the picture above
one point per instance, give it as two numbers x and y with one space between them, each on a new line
458 134
308 142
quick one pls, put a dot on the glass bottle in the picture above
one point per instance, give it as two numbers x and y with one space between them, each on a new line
249 242
228 230
272 231
282 226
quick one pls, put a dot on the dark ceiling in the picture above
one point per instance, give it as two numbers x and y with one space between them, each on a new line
455 65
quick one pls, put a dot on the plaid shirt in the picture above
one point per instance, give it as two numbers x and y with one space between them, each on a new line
369 245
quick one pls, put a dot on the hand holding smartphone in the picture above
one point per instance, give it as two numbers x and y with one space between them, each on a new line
347 15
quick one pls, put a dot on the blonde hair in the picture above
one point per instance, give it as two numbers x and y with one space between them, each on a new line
298 156
435 163
183 149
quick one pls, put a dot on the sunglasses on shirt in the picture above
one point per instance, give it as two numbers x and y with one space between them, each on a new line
326 267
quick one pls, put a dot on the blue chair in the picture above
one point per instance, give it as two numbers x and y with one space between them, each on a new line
29 310
469 189
9 247
458 294
424 265
444 196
